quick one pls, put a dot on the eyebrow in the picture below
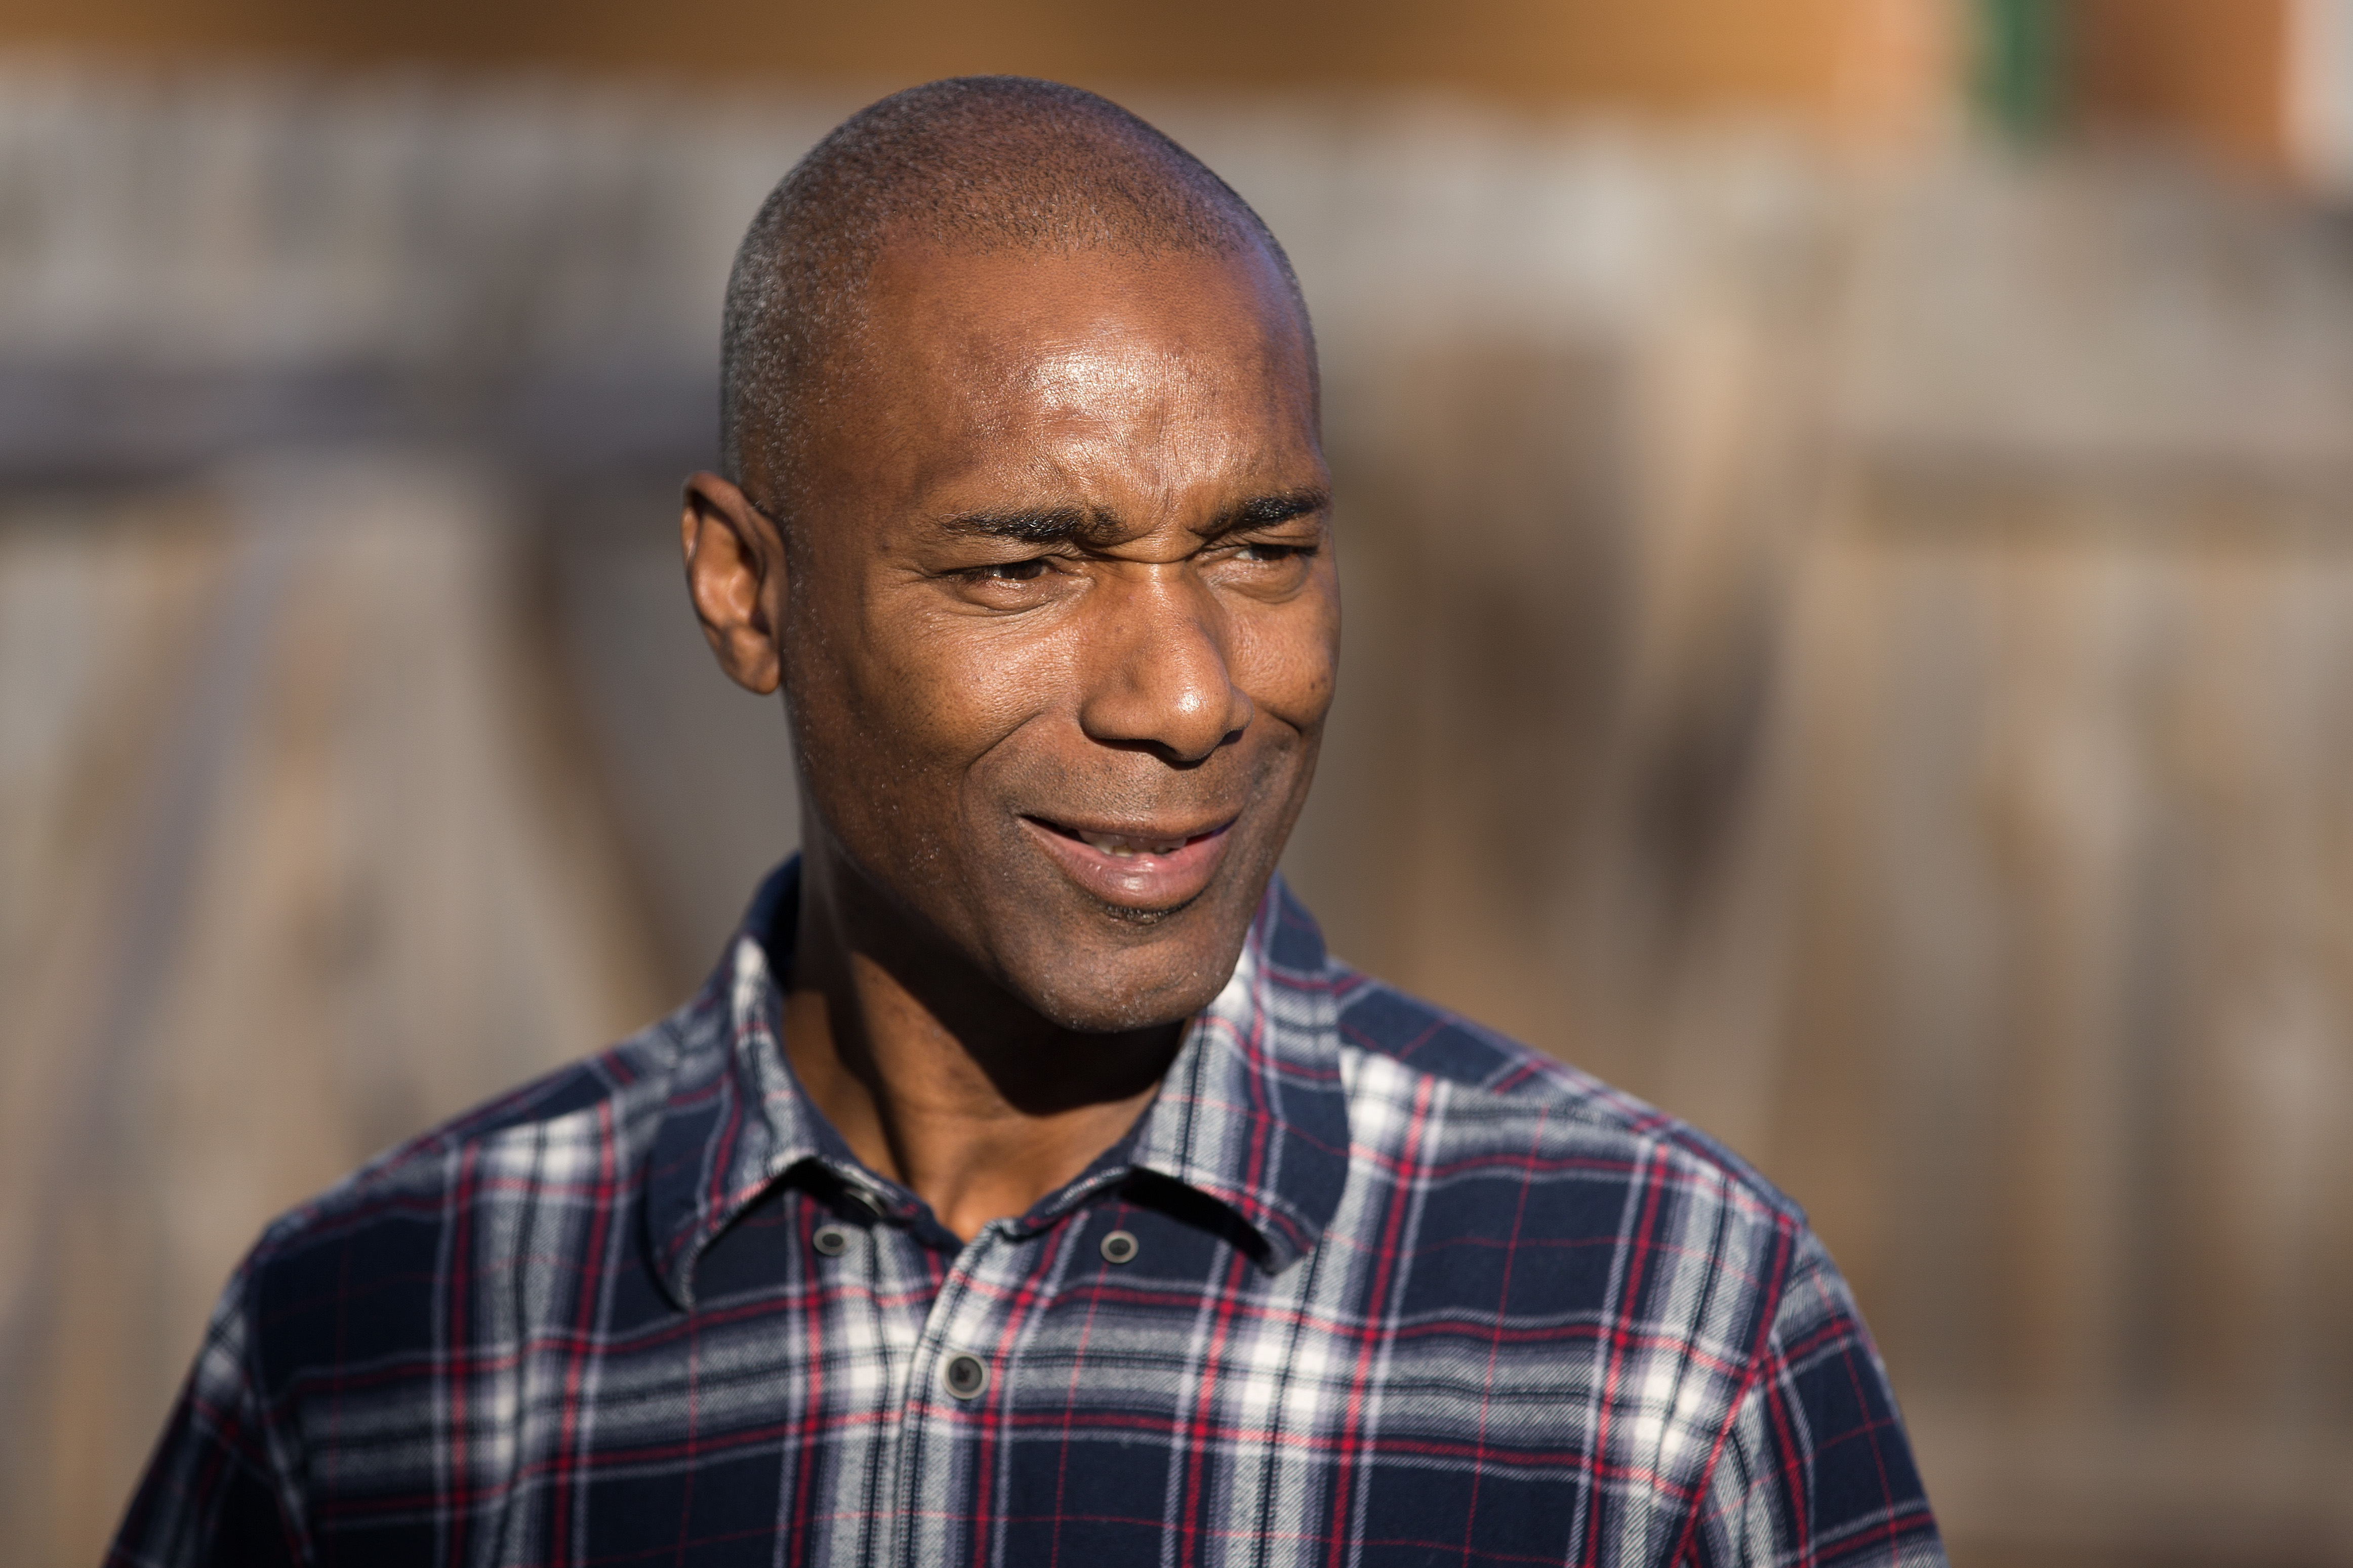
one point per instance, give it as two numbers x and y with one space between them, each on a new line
1265 512
1061 525
1055 525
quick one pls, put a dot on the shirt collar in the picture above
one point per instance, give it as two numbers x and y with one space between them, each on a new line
1251 1113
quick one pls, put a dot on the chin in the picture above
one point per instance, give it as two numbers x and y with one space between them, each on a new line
1138 983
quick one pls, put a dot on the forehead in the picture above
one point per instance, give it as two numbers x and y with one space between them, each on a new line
996 297
1007 356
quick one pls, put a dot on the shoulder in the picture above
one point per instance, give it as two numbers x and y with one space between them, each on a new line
1505 1095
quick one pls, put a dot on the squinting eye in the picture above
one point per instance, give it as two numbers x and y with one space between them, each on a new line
1270 553
1017 570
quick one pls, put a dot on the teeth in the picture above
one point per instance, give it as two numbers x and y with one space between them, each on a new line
1124 847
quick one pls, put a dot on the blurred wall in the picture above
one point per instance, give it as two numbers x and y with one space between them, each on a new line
1848 646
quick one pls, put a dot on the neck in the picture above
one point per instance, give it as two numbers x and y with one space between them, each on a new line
935 1074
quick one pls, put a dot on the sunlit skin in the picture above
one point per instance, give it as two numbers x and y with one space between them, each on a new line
1055 564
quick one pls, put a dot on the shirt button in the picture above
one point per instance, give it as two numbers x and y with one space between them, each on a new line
1119 1247
965 1375
832 1240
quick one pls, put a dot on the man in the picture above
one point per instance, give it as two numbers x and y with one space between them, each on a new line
1027 1185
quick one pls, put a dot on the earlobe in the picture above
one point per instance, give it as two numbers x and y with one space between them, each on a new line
734 573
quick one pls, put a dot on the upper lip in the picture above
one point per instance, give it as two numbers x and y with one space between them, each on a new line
1176 833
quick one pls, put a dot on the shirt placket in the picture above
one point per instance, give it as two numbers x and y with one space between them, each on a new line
957 1395
882 1290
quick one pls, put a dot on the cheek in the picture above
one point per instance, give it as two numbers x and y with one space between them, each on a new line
941 691
1286 657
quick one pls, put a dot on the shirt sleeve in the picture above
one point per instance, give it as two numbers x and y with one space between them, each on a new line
212 1493
1815 1467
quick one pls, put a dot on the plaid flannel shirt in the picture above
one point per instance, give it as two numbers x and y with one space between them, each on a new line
1365 1285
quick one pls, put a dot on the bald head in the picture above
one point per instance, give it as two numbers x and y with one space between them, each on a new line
974 165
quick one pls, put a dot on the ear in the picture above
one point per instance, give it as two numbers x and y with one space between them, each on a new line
735 574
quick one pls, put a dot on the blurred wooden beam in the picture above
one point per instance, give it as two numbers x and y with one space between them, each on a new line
2213 73
1825 60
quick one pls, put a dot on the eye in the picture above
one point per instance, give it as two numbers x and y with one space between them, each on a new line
1265 551
1027 570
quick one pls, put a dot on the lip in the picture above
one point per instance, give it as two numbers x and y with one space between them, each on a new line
1150 882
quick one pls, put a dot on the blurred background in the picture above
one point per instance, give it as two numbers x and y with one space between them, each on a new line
1847 518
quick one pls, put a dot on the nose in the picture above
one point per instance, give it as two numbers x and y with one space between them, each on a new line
1157 674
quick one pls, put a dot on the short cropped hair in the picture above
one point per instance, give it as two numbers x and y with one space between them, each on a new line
971 163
